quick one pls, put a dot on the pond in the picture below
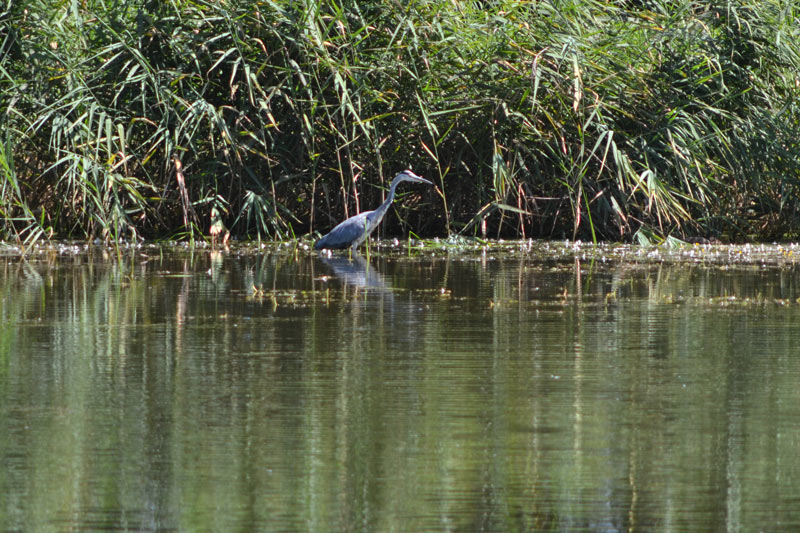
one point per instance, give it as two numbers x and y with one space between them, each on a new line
520 386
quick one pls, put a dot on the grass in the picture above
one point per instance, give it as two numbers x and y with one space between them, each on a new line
569 119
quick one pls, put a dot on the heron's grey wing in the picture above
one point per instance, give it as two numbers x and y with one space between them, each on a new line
344 233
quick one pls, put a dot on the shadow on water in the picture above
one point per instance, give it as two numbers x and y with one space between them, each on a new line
550 388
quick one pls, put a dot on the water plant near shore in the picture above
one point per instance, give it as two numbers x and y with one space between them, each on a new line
575 119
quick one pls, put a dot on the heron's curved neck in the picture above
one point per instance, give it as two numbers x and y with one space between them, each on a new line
386 203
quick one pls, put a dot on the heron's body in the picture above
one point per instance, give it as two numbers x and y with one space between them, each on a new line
355 230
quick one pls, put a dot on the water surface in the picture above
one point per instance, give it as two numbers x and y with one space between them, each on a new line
536 386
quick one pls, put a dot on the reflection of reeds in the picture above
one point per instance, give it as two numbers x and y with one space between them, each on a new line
592 120
519 376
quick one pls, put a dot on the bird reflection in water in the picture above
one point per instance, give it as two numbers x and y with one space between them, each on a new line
372 303
355 271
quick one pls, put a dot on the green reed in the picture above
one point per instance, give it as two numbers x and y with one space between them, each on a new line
577 119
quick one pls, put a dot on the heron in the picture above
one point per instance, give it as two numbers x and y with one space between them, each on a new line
356 229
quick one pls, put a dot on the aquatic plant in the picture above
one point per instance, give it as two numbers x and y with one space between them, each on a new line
560 119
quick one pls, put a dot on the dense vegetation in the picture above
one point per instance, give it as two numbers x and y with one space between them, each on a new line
591 119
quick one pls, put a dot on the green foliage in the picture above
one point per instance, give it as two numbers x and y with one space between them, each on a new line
563 118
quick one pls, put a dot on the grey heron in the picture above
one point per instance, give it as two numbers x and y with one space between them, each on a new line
356 229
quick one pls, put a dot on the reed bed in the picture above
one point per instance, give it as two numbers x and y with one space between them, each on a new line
569 119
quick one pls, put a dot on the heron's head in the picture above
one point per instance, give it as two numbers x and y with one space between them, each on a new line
407 175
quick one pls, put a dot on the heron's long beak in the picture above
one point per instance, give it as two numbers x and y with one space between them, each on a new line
413 177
